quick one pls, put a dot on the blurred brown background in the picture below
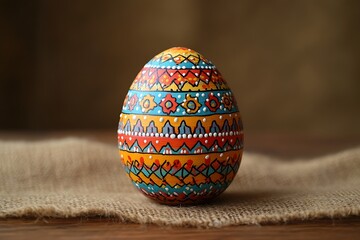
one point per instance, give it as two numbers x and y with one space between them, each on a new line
294 66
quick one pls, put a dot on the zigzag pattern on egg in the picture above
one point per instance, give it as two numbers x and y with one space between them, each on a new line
188 181
180 132
179 69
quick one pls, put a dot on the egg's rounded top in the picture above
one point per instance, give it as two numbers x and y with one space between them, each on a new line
180 57
179 69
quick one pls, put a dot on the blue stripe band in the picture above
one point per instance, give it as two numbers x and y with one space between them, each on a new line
179 103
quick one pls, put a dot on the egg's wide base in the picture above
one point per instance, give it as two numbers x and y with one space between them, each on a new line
202 182
185 202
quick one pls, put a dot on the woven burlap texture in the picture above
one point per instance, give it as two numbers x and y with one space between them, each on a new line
81 178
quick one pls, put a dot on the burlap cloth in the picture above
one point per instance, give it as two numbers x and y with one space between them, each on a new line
80 178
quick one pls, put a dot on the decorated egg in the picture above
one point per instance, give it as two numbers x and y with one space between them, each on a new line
180 133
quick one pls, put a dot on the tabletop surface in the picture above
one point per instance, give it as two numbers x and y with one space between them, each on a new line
289 146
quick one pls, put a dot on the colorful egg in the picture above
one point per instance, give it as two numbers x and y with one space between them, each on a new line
180 132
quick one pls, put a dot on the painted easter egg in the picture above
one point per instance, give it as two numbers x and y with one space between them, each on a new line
180 133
